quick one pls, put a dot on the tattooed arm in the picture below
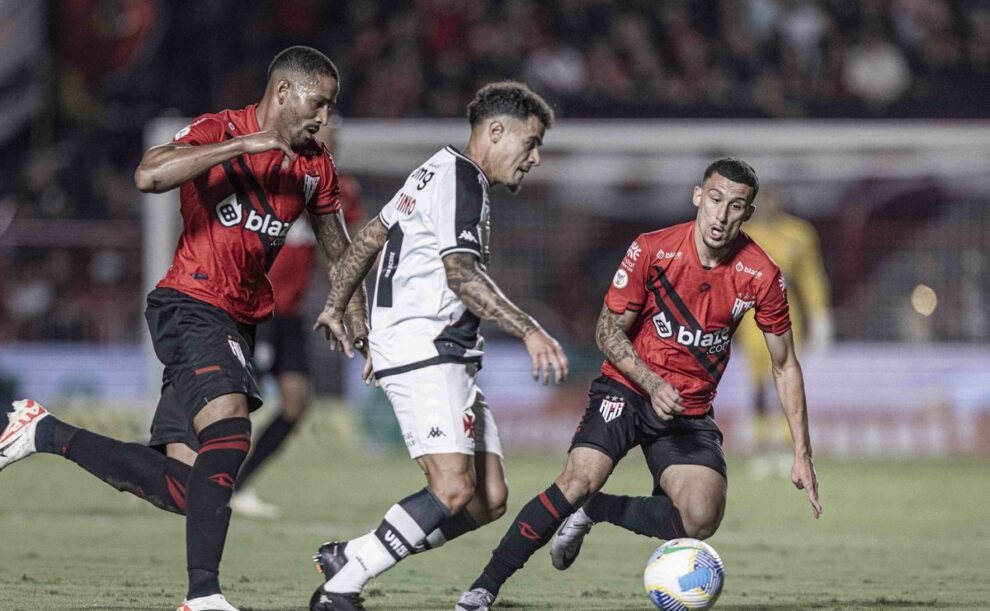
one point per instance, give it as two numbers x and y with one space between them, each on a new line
486 301
347 271
613 340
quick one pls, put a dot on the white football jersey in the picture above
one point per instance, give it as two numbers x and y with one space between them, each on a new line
416 320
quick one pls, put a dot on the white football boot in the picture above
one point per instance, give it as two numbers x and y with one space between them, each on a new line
17 438
246 502
478 599
213 602
566 544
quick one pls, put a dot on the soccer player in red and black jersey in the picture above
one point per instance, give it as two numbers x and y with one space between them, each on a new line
280 347
665 330
244 176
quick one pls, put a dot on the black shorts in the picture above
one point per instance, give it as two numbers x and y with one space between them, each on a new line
280 346
619 418
206 354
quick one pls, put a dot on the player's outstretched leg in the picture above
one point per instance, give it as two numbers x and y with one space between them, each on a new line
128 467
566 544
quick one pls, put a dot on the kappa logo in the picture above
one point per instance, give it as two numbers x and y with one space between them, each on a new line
611 407
310 183
435 433
467 236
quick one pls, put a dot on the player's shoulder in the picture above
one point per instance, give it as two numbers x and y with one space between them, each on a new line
751 256
460 167
664 238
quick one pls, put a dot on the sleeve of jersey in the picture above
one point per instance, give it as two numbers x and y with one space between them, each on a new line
628 288
327 200
460 198
206 129
772 311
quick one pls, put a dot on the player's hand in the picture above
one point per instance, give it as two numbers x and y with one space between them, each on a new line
269 140
804 477
368 373
546 354
665 399
332 323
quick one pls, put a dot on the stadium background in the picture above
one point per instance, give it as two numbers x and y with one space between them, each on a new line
872 117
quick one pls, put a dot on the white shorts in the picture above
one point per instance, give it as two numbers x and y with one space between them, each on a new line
441 410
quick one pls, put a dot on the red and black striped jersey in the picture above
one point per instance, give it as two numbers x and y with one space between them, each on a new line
235 216
687 313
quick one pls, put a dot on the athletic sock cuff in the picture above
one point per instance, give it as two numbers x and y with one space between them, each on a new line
556 503
226 434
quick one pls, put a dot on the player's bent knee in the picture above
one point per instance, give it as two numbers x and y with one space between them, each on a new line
454 493
577 486
700 522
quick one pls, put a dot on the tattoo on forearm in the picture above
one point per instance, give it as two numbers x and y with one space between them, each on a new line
613 341
483 297
348 270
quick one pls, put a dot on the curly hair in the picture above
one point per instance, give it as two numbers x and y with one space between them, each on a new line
510 98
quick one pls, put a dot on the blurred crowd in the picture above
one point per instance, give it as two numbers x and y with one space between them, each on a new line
93 72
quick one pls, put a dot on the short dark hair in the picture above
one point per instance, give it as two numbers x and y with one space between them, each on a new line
735 170
508 98
305 60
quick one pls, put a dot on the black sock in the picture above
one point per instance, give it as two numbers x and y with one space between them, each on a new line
128 467
269 442
653 516
224 445
453 527
529 532
53 436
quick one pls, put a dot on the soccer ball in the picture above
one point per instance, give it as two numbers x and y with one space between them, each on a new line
684 574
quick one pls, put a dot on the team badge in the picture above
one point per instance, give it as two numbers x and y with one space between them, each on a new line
469 425
740 307
611 407
309 186
621 279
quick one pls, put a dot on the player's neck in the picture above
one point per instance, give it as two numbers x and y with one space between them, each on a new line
471 152
709 257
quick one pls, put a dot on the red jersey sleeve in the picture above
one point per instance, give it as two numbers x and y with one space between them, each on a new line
628 289
327 200
772 311
206 129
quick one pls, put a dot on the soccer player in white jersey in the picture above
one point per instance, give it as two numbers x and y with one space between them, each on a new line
432 292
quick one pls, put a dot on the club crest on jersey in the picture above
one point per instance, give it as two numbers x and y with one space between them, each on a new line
310 183
621 279
740 307
611 407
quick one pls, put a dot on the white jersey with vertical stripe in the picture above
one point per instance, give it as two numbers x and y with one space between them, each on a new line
416 320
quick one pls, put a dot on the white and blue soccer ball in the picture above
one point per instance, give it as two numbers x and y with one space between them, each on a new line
684 574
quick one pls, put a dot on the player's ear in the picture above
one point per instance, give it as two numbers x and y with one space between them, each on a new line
750 209
696 196
496 131
282 90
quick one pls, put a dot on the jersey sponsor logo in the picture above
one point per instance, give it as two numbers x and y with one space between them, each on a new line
715 341
661 255
423 176
748 270
230 213
435 433
621 279
406 204
632 253
611 407
740 307
236 349
467 236
310 183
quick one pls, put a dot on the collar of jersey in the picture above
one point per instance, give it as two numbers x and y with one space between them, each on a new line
457 153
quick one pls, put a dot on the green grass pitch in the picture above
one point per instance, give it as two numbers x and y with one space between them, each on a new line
895 535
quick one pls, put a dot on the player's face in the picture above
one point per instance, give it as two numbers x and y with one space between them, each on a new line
723 206
517 150
306 107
